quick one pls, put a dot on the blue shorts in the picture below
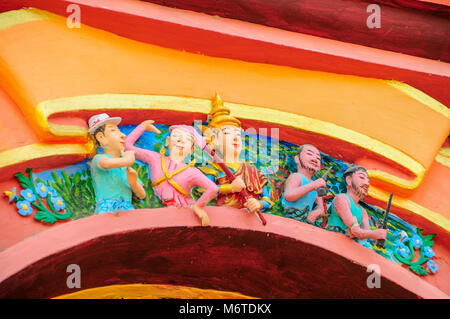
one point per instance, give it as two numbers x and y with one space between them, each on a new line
112 206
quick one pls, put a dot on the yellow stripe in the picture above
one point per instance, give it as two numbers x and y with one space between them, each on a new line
444 160
35 151
444 156
184 104
14 17
445 151
421 97
411 206
144 291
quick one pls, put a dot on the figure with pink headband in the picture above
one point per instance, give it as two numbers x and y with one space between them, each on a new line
172 179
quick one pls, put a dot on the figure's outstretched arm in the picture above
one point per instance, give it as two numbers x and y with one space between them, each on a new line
135 184
211 189
127 159
319 211
294 188
343 209
142 154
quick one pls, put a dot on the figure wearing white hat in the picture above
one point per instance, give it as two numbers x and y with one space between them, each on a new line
113 178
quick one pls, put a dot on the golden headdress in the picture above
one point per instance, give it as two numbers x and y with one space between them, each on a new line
220 115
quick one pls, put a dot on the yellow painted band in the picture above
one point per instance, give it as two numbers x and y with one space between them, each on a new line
184 104
147 291
35 151
421 97
444 156
444 160
445 151
411 206
14 17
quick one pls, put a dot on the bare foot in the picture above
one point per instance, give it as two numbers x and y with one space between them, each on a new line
201 213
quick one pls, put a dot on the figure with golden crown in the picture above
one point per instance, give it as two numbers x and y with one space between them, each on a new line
224 135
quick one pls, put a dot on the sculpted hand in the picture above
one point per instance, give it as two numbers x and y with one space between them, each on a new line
237 185
319 183
253 204
129 157
149 127
380 234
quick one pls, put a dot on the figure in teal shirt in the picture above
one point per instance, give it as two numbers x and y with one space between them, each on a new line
346 214
300 193
113 178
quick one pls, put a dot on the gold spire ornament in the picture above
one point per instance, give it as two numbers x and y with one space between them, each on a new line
220 115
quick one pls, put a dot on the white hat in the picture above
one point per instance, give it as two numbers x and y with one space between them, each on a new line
100 119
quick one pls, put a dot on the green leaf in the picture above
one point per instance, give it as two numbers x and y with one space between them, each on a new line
76 178
64 216
418 269
66 179
23 180
419 232
428 240
45 217
56 178
90 186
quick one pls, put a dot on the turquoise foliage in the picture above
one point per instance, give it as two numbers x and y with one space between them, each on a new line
73 185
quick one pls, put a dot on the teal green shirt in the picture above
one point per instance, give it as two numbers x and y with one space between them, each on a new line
335 220
109 184
304 201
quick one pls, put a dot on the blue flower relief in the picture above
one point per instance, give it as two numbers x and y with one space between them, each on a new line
42 190
52 192
402 236
28 195
58 203
432 266
24 207
416 241
428 252
403 250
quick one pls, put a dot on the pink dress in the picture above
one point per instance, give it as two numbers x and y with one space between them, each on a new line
187 178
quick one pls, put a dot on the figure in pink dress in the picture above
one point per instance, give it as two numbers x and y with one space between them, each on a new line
172 179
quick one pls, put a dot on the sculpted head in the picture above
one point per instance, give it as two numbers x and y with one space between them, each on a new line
357 179
106 133
109 137
182 140
308 157
227 140
224 131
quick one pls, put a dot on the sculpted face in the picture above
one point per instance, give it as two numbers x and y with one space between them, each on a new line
229 141
180 143
360 183
310 158
111 138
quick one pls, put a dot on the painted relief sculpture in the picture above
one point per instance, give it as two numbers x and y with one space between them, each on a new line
114 180
347 216
300 194
172 179
225 136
